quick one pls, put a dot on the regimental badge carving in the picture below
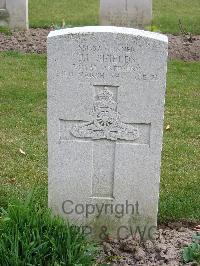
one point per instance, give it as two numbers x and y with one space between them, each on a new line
106 123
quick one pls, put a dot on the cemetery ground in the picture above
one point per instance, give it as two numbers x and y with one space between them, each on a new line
181 47
23 136
23 133
75 13
24 143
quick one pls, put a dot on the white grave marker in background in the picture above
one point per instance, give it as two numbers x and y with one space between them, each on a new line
14 14
2 3
3 14
106 89
128 13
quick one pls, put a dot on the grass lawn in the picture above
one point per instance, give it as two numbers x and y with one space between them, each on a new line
166 14
180 178
23 130
44 13
23 124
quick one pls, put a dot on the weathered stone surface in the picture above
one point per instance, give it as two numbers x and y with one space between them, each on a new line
14 14
127 13
3 14
106 90
2 4
3 17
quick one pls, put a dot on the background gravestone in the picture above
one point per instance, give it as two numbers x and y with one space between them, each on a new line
128 13
106 90
3 14
14 14
2 3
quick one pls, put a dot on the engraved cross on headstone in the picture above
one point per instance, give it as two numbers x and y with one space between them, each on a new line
104 129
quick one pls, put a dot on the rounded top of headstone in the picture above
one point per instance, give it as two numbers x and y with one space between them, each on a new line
109 29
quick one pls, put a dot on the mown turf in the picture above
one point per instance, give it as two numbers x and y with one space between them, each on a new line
23 126
180 197
44 13
166 14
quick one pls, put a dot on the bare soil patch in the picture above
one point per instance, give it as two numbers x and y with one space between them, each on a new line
165 249
34 40
182 48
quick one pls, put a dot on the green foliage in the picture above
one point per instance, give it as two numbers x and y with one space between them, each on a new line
45 13
180 178
61 25
23 125
152 28
5 30
166 14
192 252
30 235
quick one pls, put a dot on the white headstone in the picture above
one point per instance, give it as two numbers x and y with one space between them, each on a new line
3 14
127 13
14 14
106 90
2 3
